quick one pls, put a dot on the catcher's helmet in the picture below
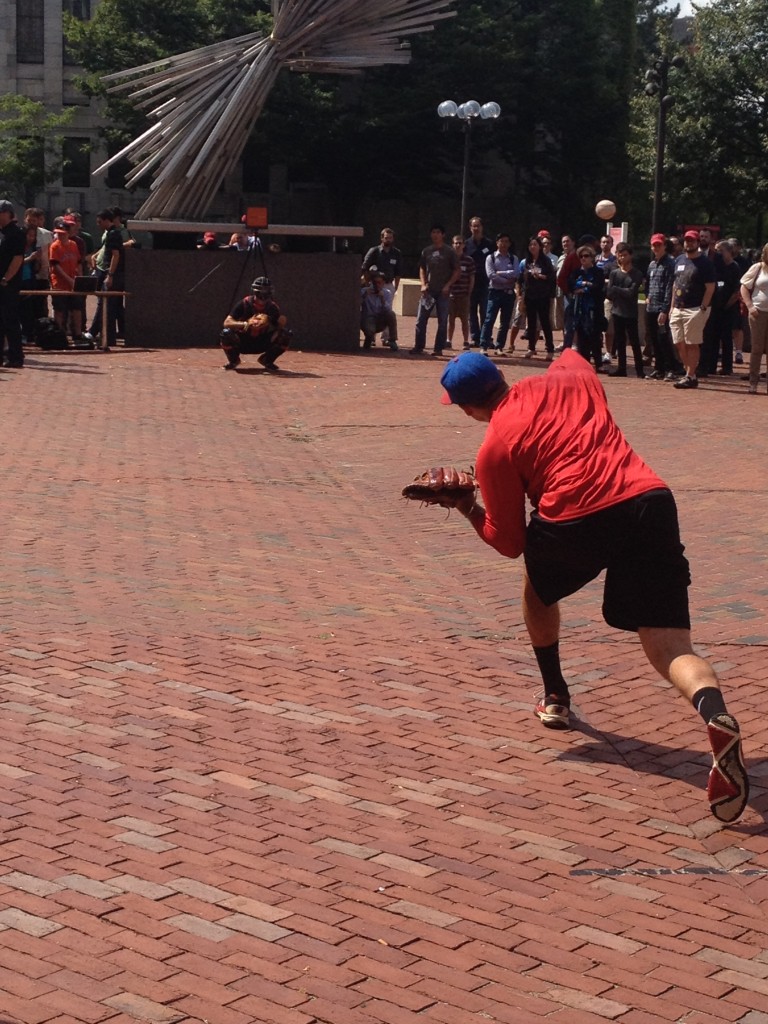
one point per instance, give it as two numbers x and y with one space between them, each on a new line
262 288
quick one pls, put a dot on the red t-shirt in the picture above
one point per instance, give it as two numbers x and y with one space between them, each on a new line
554 440
63 254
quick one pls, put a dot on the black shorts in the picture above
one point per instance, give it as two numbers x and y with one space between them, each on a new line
637 542
62 303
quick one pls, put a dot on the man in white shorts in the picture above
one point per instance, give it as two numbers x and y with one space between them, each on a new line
692 292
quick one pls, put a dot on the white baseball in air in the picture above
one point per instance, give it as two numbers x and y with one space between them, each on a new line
605 209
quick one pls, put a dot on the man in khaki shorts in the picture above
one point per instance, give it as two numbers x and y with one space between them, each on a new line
692 292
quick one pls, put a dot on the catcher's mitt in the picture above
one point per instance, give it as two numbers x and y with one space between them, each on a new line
441 485
258 323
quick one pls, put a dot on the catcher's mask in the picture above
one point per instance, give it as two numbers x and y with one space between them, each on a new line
262 288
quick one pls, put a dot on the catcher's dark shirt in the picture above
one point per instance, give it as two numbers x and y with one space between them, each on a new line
246 308
554 440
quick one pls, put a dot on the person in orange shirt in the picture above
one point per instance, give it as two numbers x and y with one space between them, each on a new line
64 258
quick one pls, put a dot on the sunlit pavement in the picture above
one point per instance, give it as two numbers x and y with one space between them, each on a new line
268 748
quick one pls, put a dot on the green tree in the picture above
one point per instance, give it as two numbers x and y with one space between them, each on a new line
561 71
717 169
30 157
654 30
655 41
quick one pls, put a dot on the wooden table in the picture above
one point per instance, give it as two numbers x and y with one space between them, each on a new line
98 294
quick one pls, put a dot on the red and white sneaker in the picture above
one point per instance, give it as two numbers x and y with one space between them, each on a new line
728 785
552 714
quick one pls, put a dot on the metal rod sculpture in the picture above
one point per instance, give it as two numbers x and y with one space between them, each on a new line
205 102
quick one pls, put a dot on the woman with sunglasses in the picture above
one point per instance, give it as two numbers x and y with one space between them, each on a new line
587 286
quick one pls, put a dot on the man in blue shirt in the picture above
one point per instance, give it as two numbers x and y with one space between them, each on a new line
502 269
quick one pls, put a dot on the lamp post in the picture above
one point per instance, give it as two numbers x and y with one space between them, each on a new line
656 84
467 113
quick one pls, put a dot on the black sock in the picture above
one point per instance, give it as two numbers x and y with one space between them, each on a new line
709 702
549 666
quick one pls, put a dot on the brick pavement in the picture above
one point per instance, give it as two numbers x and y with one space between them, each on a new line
268 751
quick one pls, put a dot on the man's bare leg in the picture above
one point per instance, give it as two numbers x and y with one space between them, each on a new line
692 358
542 621
670 652
543 624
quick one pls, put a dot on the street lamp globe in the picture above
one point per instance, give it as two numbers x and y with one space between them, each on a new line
448 109
469 109
490 111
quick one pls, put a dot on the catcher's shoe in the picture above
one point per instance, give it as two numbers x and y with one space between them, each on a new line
268 365
233 363
553 714
728 785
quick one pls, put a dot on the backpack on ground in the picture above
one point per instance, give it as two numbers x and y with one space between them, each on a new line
49 336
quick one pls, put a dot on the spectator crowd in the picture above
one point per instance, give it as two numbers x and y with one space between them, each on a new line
63 264
702 300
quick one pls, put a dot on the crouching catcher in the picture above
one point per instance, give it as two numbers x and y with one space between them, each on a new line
255 325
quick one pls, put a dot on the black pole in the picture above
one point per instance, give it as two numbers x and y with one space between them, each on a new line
661 139
465 176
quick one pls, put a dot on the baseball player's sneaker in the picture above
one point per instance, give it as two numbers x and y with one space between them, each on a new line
552 714
728 785
233 363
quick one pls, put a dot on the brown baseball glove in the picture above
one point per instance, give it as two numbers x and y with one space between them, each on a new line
258 323
442 485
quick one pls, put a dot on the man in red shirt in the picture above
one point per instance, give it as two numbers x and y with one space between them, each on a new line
596 506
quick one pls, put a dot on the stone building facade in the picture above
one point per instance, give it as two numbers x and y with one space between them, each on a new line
34 63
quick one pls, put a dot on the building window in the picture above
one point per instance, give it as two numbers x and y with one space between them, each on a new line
30 43
80 9
76 172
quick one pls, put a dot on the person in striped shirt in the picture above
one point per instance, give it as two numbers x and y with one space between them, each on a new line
461 289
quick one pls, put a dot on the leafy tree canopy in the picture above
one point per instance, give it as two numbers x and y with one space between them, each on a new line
30 156
723 109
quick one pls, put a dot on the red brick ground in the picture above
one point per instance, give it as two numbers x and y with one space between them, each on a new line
268 752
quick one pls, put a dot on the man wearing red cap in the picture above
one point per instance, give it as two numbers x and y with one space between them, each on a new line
597 506
692 292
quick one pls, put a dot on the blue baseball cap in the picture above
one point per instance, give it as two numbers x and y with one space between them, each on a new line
469 379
